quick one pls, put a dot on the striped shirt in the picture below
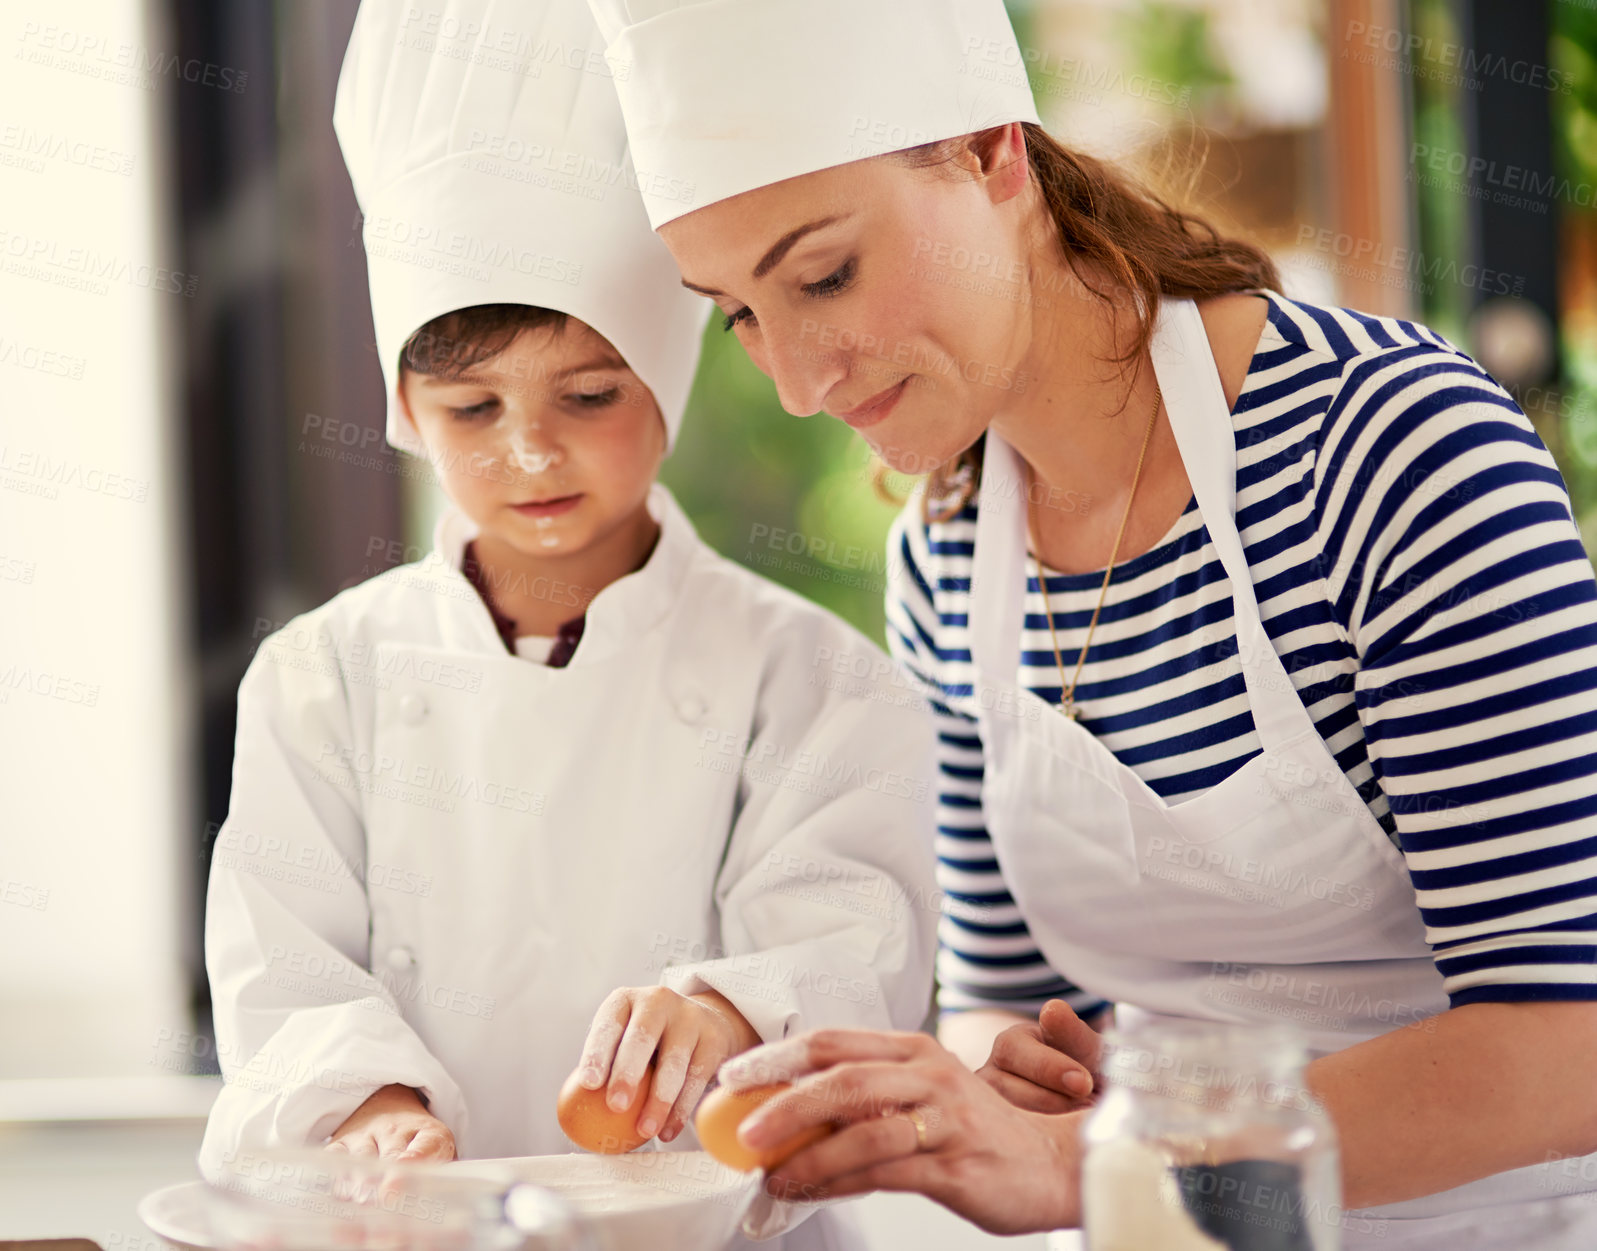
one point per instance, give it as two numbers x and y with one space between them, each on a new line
1419 572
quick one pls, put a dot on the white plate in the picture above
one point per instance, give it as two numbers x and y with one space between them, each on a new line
176 1214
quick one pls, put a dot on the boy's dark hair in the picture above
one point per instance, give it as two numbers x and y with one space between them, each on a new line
457 342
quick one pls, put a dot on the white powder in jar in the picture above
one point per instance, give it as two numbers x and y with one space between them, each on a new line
1132 1202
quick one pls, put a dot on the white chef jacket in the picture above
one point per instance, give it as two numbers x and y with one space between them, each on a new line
440 858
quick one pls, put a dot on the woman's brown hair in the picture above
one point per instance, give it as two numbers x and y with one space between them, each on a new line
1120 240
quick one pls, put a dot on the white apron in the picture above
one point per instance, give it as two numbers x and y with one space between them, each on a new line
1274 896
440 858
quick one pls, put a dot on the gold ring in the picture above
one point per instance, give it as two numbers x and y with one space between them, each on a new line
918 1119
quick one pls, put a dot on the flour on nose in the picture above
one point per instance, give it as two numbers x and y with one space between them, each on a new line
528 459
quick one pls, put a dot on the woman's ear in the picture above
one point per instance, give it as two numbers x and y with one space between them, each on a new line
1000 160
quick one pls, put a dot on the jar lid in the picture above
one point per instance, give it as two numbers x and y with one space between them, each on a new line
1206 1061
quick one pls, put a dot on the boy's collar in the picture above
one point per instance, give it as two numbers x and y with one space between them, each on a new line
629 606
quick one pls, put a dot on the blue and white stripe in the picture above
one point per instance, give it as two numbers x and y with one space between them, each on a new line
1420 574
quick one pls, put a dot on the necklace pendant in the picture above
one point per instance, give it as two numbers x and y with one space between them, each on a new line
1067 708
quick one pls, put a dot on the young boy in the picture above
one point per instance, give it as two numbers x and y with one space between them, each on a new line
573 788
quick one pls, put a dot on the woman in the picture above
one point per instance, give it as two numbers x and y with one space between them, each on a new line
1304 583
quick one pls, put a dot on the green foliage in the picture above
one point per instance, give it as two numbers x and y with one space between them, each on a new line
1574 55
1442 213
1173 43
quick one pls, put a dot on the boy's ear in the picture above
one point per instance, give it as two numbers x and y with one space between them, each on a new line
408 436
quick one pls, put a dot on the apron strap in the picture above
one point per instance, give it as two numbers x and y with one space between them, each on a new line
1201 422
998 567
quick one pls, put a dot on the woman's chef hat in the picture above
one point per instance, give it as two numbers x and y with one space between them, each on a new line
722 96
490 162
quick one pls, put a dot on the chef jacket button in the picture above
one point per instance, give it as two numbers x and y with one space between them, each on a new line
401 958
413 709
691 708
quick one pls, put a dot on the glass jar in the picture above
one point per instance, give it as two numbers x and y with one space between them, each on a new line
1207 1139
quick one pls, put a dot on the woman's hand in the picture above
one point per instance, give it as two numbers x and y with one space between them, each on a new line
394 1124
1050 1066
691 1035
910 1117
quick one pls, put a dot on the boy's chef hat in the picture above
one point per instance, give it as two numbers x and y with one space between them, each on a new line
723 96
490 162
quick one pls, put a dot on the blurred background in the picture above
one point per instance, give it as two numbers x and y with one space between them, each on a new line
191 449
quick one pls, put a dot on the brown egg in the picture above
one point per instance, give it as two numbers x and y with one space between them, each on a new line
588 1121
723 1110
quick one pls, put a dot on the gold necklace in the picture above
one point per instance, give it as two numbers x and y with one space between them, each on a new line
1067 690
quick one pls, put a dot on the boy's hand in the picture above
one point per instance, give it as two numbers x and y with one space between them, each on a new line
690 1036
394 1124
1051 1066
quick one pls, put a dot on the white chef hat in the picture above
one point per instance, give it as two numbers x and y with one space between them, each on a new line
490 161
723 96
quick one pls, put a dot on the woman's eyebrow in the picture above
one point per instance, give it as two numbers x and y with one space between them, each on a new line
782 246
778 250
